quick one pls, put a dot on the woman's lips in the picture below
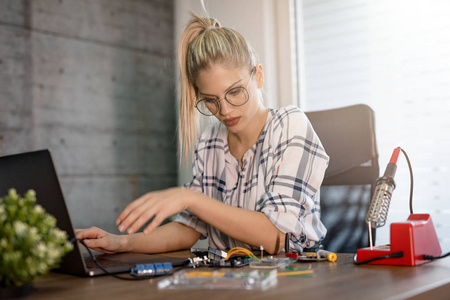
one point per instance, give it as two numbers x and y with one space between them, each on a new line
231 121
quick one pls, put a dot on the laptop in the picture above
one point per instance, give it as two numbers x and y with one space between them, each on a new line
35 170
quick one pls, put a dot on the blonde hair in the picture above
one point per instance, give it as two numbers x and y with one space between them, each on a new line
203 44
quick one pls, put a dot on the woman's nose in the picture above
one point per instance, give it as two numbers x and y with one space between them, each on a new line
225 107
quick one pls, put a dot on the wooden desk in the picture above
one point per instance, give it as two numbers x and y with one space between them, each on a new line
339 280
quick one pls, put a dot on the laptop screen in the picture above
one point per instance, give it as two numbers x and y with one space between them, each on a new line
35 170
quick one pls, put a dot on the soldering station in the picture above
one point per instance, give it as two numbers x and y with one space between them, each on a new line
413 242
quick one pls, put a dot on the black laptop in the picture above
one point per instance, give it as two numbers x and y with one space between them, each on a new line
35 170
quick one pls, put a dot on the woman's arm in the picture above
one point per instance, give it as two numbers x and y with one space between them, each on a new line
293 179
169 237
247 226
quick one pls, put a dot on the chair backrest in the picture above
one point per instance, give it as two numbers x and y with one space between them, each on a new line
348 136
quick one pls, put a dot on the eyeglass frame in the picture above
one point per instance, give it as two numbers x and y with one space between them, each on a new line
217 99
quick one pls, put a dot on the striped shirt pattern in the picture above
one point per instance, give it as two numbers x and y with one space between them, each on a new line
280 177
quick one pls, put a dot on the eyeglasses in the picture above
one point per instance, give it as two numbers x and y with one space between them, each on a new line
238 96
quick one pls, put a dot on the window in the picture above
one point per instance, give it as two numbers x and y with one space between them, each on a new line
395 57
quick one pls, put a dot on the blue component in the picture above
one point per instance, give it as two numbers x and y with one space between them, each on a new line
159 269
150 270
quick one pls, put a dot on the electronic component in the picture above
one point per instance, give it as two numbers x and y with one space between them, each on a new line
235 258
199 252
234 262
216 254
220 279
211 253
271 263
151 270
320 255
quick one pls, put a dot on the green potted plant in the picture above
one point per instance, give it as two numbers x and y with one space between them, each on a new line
30 243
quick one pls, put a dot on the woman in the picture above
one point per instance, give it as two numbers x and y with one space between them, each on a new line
256 173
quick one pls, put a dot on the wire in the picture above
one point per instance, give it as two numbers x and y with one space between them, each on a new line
431 257
295 273
425 256
411 181
240 251
392 255
106 271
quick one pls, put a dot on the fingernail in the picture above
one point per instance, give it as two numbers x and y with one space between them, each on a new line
87 241
121 228
146 231
130 230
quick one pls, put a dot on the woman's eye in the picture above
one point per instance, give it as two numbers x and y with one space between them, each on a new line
209 100
234 92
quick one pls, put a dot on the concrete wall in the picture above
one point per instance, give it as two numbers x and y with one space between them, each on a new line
93 81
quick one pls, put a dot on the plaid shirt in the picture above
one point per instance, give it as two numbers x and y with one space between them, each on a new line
280 177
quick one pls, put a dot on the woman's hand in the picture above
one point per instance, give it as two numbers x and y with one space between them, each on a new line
160 205
100 240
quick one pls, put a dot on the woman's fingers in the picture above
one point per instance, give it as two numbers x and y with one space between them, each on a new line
141 220
130 207
162 211
157 205
90 233
98 239
104 245
138 216
96 244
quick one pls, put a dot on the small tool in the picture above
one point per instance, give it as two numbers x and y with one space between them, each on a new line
287 250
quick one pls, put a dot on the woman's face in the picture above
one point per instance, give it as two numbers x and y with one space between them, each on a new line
216 81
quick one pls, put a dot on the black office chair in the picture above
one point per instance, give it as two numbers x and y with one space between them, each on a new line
348 136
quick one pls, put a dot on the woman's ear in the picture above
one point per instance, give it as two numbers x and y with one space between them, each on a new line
259 76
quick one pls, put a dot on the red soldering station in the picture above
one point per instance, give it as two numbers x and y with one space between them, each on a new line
412 242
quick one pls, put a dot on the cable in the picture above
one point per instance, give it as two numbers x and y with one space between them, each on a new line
240 251
411 181
431 257
425 256
392 255
106 271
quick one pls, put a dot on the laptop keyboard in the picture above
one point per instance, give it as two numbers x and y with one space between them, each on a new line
105 263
